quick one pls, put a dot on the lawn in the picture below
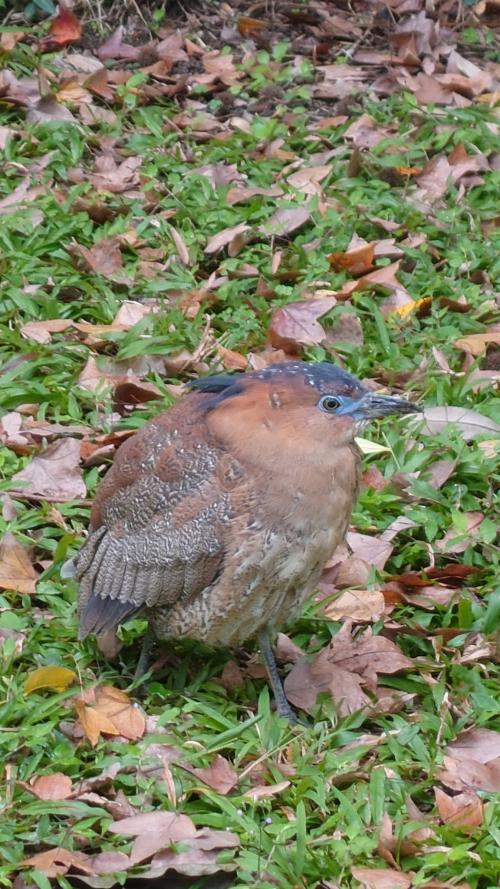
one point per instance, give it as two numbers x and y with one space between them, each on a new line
180 203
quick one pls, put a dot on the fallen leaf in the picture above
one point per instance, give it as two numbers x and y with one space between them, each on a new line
56 862
48 109
40 331
341 669
113 177
220 775
439 472
285 221
64 28
357 261
182 250
372 549
225 237
103 258
16 570
266 791
174 829
307 180
480 744
361 606
52 787
464 810
296 325
200 857
378 878
469 423
347 328
57 678
110 712
94 723
129 314
55 474
477 343
231 676
469 774
114 48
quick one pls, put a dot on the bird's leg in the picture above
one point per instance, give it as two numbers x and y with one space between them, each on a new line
146 655
282 705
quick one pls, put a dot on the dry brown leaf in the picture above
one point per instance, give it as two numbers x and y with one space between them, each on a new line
347 328
154 831
308 179
57 861
123 713
129 314
243 193
40 331
286 651
481 744
469 423
93 723
358 261
464 810
477 343
113 177
308 679
16 571
55 474
225 237
231 676
219 67
440 472
200 857
114 48
267 790
285 221
373 550
378 878
103 258
220 775
361 606
55 786
365 132
470 774
182 250
367 654
296 324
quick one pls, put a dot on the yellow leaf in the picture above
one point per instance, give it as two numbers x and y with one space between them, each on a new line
371 447
410 307
54 677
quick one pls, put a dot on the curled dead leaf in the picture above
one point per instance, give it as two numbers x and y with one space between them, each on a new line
16 570
296 324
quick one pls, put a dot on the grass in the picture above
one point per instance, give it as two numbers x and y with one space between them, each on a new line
345 774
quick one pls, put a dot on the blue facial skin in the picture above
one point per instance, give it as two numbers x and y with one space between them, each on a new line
366 407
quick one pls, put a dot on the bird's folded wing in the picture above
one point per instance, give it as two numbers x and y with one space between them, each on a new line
119 576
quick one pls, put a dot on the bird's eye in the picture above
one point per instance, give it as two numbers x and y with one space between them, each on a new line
329 403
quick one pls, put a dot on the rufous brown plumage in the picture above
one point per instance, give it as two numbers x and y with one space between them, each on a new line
217 517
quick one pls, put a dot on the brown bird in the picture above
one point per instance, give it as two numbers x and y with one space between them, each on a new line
217 517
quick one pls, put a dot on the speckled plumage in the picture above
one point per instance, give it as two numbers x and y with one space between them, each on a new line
217 517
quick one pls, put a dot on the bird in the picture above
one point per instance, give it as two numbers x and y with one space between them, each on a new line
217 517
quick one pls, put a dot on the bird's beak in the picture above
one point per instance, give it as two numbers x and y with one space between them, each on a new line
370 406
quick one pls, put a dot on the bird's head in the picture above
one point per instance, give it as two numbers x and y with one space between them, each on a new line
295 403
